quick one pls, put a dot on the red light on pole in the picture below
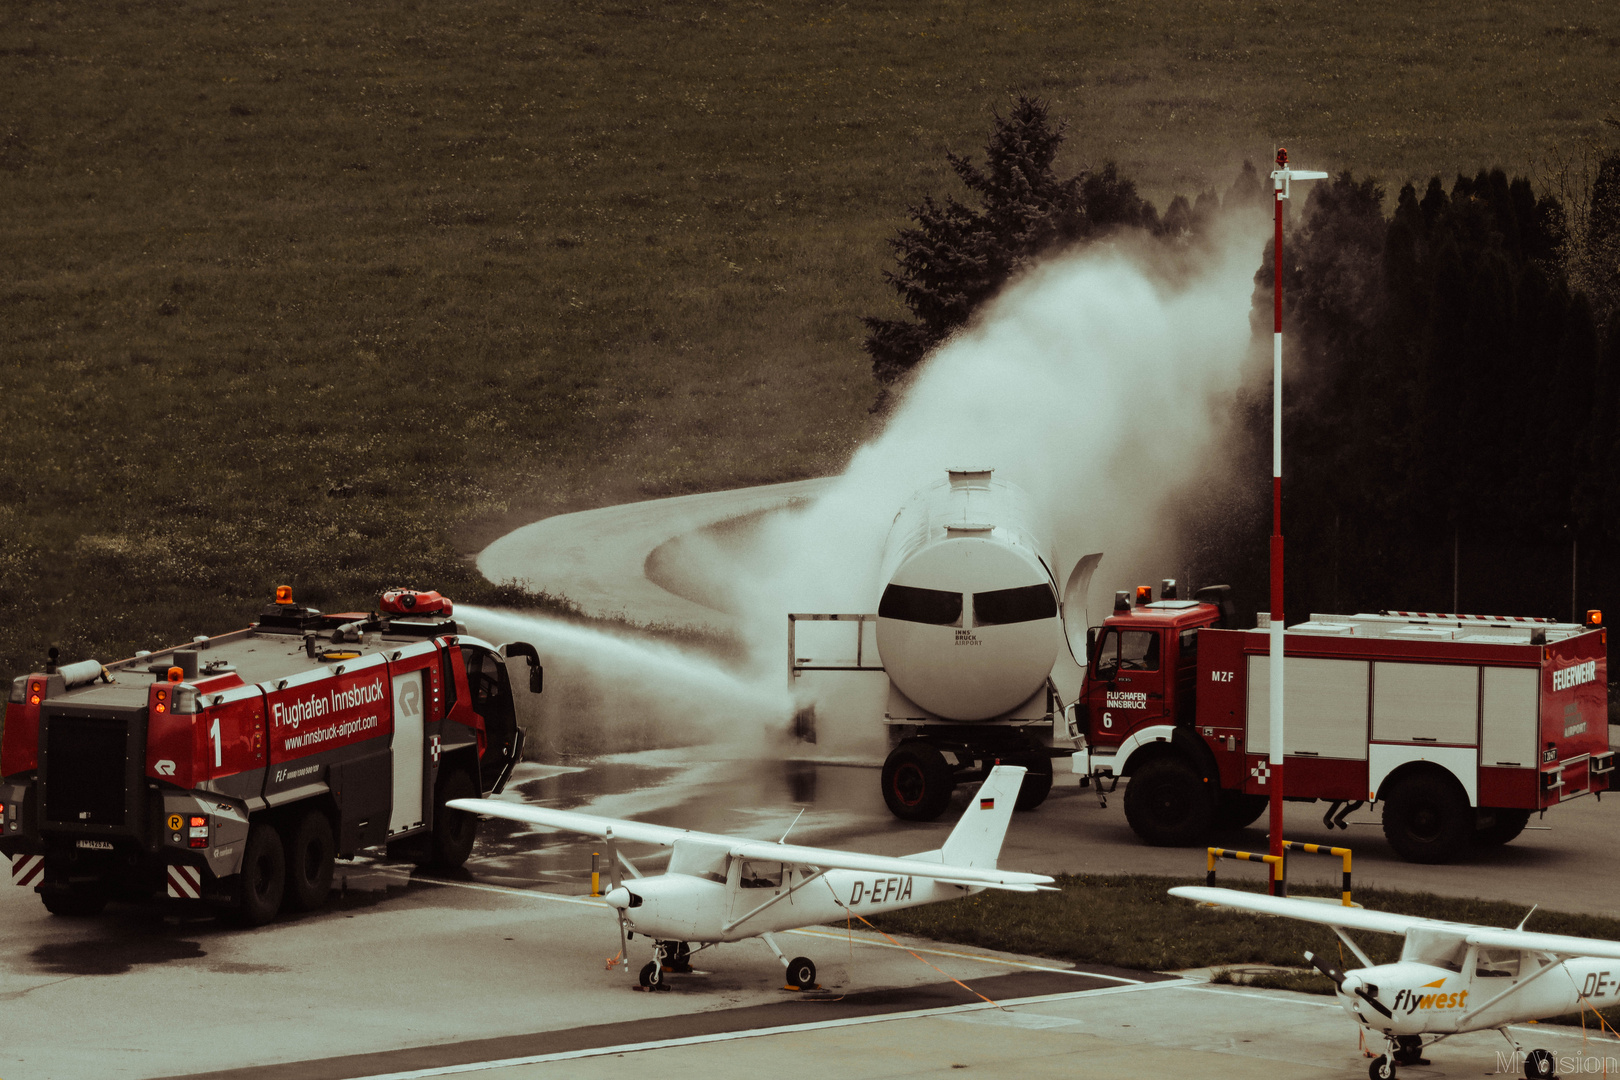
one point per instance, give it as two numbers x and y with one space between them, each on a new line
1273 775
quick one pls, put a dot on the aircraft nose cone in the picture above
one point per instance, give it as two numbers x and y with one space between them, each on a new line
619 898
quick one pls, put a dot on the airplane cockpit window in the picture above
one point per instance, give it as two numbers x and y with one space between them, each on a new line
1497 964
1438 949
909 604
700 860
1023 604
1127 650
761 875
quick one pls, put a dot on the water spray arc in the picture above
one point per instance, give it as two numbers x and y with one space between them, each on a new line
1280 181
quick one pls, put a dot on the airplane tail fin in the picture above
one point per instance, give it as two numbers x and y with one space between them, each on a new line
976 840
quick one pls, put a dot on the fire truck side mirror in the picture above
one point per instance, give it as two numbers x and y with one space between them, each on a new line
536 672
1091 643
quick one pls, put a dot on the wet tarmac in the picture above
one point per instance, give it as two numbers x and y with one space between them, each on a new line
512 946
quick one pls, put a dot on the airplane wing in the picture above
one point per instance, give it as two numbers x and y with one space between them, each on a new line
1558 944
1382 922
833 859
638 832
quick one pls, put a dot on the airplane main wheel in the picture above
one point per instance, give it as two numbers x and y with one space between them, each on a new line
917 781
801 973
1539 1064
678 956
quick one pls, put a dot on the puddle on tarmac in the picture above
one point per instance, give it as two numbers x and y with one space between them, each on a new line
113 955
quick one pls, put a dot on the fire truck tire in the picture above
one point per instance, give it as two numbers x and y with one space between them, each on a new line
1427 818
310 851
453 830
264 876
74 901
1508 825
1037 783
1234 810
917 781
1168 804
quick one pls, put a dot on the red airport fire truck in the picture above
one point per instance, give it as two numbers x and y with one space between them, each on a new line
234 769
1462 726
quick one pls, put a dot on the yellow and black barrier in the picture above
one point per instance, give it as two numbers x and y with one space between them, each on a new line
1324 849
1279 867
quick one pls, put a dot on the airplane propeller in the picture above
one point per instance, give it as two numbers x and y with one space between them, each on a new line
614 876
1365 992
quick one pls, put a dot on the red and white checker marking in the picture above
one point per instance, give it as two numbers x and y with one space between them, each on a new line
27 869
1261 771
185 882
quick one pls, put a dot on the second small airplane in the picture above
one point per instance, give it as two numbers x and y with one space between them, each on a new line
727 888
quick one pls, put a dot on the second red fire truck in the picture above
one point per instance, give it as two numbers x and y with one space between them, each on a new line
1461 726
235 769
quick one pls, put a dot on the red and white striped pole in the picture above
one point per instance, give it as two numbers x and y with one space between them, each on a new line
1280 178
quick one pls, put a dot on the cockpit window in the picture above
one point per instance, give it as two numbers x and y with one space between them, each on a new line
1127 650
933 606
700 860
761 875
1497 964
1023 604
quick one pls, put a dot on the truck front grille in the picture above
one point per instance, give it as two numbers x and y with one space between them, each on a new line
85 769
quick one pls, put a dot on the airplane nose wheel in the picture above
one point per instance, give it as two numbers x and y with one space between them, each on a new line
801 973
1539 1064
1382 1068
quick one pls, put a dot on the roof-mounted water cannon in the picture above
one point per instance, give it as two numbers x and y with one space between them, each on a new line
415 602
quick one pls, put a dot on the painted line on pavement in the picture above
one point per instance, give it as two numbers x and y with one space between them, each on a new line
732 1036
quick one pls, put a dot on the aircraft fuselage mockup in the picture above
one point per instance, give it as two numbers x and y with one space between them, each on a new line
1451 978
727 888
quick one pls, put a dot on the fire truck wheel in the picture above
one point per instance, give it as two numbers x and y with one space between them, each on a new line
309 862
453 830
264 875
917 781
1168 804
74 901
1509 824
1427 818
1037 783
1234 810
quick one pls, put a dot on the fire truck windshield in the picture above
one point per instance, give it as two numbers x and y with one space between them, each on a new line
1127 650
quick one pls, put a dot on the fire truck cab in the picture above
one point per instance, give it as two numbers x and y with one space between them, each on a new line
1462 726
235 769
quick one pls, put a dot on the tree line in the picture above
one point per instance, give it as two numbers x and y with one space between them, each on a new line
1452 383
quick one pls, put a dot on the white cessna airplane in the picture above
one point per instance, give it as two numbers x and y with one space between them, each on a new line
1451 977
727 888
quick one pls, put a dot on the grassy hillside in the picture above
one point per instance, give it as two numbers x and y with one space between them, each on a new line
331 294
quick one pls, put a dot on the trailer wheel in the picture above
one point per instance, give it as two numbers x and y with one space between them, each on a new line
1235 810
264 876
1509 823
453 830
309 862
1037 783
1168 804
1427 818
917 781
74 901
